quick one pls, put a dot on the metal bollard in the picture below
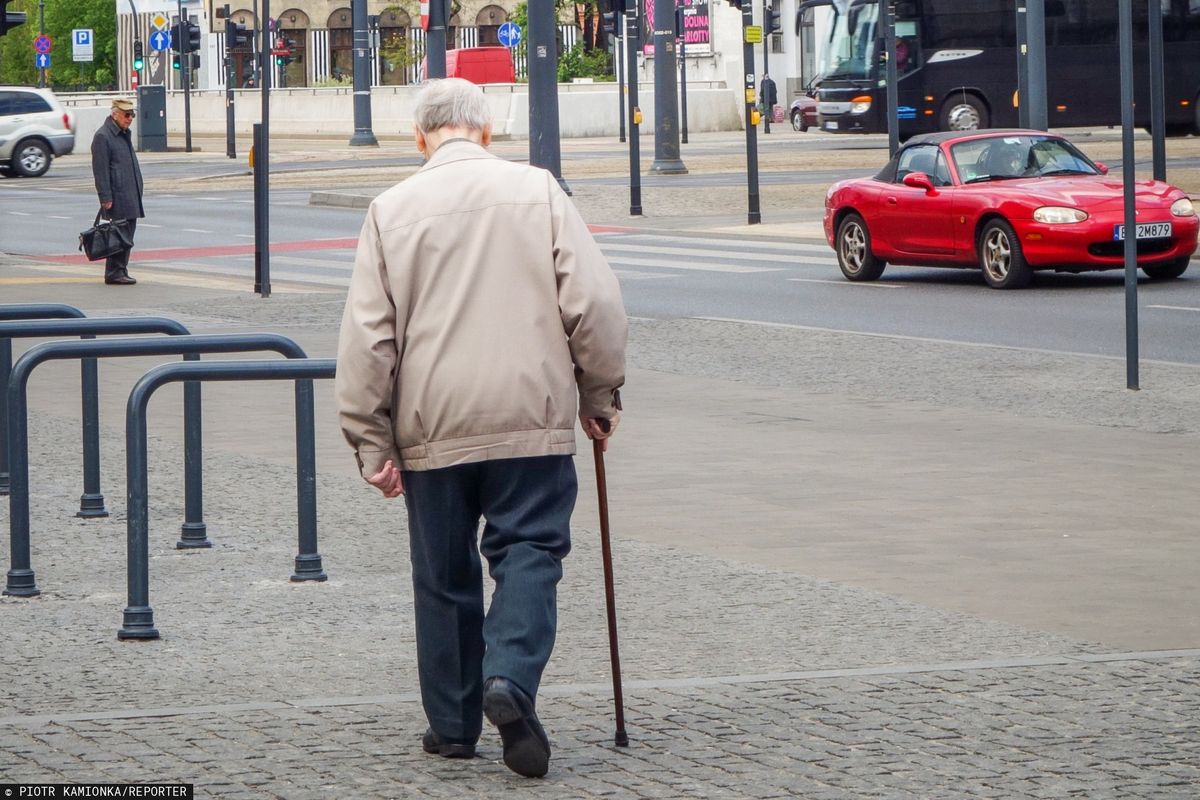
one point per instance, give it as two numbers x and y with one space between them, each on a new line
91 502
13 311
138 619
21 582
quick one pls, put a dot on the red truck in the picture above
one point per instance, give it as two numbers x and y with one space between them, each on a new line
479 65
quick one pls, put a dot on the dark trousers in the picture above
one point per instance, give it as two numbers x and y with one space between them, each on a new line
527 504
118 263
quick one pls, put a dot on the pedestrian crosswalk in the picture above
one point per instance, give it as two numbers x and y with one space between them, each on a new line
633 257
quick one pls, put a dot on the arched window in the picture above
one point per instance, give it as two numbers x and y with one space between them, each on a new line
341 45
244 76
292 26
396 51
488 21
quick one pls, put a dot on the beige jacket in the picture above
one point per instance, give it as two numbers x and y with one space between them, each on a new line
479 306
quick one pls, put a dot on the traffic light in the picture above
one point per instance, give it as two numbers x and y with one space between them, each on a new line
194 62
193 37
176 60
139 59
9 19
176 42
610 17
773 23
236 35
678 22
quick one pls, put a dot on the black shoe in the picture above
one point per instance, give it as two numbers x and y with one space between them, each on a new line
434 744
120 280
526 748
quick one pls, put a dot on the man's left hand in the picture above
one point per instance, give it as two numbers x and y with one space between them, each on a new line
388 480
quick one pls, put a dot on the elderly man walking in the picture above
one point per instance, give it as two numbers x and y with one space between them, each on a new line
479 309
118 182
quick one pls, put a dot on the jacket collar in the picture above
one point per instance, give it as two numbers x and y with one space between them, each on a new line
456 150
113 127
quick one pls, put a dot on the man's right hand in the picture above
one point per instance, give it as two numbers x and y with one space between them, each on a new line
388 480
599 429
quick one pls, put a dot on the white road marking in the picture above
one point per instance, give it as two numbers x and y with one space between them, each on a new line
194 230
56 216
21 213
851 283
612 250
634 275
654 262
1176 308
148 225
932 340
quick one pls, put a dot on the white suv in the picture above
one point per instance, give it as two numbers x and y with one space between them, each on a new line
34 129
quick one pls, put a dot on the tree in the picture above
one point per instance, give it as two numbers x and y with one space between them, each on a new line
62 16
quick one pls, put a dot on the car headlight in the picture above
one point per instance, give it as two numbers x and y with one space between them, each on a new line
1059 215
860 104
1183 208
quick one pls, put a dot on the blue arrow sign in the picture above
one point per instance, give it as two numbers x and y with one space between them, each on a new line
41 60
509 34
160 40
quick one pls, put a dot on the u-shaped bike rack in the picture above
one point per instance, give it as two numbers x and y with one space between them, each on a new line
21 580
91 502
15 311
138 621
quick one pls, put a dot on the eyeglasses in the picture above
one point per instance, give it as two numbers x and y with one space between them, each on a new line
129 114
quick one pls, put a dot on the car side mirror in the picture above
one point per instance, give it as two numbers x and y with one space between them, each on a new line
919 180
1100 165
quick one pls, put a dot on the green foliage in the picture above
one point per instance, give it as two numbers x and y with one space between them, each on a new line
62 16
579 63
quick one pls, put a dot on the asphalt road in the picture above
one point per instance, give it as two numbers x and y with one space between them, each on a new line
685 274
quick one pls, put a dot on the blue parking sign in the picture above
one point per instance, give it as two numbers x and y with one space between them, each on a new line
83 36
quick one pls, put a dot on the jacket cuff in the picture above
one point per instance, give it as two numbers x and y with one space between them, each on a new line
602 405
371 461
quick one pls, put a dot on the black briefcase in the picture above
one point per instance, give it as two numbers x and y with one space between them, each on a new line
105 238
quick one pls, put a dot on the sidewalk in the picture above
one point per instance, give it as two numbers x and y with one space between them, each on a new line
847 567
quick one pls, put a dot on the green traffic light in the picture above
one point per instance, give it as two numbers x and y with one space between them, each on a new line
139 64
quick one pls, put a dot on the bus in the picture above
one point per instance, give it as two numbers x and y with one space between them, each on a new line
956 62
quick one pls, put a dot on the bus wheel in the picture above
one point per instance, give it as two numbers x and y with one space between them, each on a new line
964 112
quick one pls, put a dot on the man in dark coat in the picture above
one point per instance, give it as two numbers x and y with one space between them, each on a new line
118 182
769 97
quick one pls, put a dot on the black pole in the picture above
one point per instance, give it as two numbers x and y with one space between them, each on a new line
230 79
683 132
544 145
618 61
262 242
754 216
1128 176
888 14
42 30
435 41
635 151
1158 111
766 43
262 164
193 533
666 100
308 560
185 76
1036 34
5 371
363 135
1022 65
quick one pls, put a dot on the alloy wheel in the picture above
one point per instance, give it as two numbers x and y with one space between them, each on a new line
854 247
33 160
963 117
997 254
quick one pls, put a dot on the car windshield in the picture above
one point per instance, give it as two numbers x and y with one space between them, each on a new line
849 53
1006 157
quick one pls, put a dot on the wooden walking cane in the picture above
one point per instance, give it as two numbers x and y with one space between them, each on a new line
621 739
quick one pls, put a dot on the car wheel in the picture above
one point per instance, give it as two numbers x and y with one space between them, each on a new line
31 158
854 254
798 120
964 112
1165 272
1001 258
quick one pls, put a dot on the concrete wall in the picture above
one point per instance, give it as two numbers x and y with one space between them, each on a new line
584 110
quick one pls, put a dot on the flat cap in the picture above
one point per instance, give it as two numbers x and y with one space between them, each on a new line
123 104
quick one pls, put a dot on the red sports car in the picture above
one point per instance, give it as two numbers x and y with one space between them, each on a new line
1005 202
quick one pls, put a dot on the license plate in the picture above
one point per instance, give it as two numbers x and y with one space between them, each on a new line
831 125
1145 230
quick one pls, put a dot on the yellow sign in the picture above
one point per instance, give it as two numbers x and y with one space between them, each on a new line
753 34
751 95
159 22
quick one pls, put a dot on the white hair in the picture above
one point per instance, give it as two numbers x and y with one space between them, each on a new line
451 103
